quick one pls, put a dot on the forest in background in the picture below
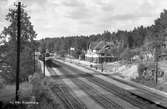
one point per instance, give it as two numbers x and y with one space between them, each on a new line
137 38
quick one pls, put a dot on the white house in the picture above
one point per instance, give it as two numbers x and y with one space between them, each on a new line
99 52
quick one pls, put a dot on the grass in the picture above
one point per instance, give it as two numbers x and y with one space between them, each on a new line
8 92
41 90
44 95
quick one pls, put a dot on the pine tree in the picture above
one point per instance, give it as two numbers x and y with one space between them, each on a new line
27 45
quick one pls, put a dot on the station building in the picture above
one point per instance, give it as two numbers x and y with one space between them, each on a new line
99 52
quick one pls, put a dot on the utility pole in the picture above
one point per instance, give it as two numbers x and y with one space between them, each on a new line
156 72
156 62
34 60
44 52
158 46
102 59
18 50
102 67
158 43
44 63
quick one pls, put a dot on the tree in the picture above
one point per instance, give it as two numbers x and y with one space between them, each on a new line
127 54
106 36
138 36
27 45
122 38
161 23
156 35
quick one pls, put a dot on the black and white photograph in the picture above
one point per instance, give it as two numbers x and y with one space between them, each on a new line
83 54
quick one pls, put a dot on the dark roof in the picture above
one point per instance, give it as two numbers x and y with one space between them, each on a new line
101 45
107 52
92 45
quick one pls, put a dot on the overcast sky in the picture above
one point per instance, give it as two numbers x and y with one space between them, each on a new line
55 18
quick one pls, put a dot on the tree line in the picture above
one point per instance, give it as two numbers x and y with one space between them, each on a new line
136 38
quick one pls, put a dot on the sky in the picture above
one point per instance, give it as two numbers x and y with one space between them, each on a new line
56 18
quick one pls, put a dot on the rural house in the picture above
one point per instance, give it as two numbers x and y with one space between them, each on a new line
100 52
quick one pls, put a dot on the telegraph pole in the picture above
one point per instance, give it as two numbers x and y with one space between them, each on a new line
18 51
44 56
102 67
102 59
156 61
44 63
34 60
157 52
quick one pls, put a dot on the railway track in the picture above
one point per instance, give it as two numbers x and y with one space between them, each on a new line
143 90
121 93
66 96
124 82
151 97
102 99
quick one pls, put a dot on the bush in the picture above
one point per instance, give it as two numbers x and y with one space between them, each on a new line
36 82
42 93
2 82
141 68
